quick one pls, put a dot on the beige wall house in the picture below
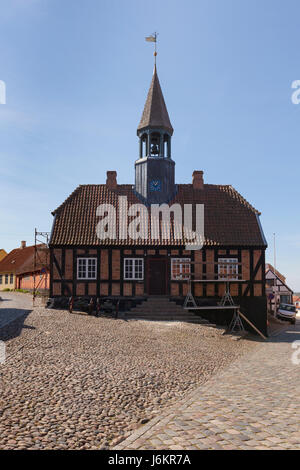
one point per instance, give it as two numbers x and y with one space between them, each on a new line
2 254
11 263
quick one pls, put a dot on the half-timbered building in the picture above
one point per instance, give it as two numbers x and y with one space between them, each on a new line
277 290
130 268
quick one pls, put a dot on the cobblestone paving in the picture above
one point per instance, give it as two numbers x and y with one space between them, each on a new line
13 306
80 382
253 404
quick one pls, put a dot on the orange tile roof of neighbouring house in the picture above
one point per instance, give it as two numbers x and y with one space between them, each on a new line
42 261
15 259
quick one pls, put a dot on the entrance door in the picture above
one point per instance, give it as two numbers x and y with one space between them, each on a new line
157 276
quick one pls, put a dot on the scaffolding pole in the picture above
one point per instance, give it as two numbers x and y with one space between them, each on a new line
41 244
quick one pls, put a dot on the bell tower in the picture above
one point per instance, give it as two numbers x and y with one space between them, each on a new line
155 169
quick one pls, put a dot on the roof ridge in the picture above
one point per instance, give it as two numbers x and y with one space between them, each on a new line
71 196
101 184
243 200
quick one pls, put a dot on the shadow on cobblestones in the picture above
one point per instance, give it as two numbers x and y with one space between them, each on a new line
14 328
288 334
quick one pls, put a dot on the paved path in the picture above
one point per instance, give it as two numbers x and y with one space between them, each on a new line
13 305
253 404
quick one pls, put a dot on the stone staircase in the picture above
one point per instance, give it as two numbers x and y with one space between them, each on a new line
162 309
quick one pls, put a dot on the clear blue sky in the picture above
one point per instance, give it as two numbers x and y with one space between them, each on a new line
77 73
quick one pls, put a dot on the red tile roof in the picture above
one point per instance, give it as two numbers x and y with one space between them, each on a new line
15 259
21 260
42 261
229 218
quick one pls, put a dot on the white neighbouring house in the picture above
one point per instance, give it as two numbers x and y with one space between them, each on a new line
277 290
296 302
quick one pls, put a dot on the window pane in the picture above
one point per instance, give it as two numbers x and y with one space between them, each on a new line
86 268
128 268
81 268
139 263
228 268
134 268
180 268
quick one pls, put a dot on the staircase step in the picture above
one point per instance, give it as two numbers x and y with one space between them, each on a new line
187 320
162 309
162 314
158 310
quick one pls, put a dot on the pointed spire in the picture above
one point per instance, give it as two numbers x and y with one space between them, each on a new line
155 112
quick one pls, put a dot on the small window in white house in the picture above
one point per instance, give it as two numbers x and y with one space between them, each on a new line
86 268
0 278
11 279
285 299
228 268
6 278
134 269
180 269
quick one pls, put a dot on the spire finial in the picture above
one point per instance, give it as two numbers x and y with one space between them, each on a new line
153 38
155 114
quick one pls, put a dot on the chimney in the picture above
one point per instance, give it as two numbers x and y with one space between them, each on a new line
198 182
111 180
23 244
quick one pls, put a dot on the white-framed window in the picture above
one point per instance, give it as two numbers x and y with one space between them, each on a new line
0 278
228 268
86 268
134 269
6 278
180 269
11 279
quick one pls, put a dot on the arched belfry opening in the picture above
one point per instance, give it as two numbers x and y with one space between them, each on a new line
167 146
155 169
143 145
155 144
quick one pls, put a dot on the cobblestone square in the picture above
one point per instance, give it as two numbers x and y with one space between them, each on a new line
252 404
74 381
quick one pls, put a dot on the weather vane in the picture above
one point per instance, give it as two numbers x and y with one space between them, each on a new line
153 38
